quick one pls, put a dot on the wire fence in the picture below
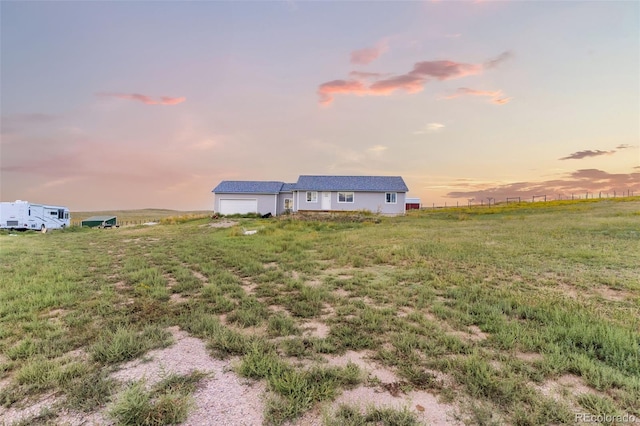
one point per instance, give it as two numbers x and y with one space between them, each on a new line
490 201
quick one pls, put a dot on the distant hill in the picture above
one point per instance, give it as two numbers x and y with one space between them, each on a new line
143 215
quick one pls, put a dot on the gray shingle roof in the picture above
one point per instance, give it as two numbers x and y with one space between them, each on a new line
248 186
351 183
288 187
315 183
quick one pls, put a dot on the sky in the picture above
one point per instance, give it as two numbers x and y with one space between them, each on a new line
129 105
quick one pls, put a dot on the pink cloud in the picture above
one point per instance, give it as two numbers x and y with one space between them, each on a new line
578 182
408 83
147 100
380 84
497 97
445 70
466 91
166 100
328 89
369 54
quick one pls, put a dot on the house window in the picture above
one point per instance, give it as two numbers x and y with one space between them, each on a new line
288 203
391 197
312 196
345 197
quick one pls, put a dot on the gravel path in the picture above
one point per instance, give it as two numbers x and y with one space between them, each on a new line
224 398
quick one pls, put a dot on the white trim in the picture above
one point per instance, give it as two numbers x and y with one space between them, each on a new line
395 198
313 199
353 197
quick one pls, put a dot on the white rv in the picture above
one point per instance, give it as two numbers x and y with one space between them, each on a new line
23 215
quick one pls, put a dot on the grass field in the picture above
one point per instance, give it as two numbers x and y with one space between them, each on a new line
516 314
128 217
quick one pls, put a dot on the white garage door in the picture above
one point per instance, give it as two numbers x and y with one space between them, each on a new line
238 206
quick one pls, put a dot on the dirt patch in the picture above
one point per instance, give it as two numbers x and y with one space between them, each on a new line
423 404
366 364
340 292
129 240
171 282
224 398
314 283
404 312
178 298
569 291
18 414
315 329
556 388
222 224
328 311
529 356
249 286
612 294
201 277
474 334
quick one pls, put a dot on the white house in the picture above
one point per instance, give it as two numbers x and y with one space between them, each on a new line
379 194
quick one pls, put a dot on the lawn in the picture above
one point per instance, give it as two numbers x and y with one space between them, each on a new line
517 314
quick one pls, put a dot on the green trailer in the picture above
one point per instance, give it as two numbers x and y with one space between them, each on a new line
101 222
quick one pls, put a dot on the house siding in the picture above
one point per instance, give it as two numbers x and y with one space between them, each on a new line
266 202
371 201
281 197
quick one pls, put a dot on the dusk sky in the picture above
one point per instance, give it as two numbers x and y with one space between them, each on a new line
126 105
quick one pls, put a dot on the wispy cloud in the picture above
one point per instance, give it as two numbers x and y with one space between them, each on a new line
147 100
30 118
496 96
377 150
586 154
430 128
383 84
12 123
578 182
504 56
363 75
369 54
445 70
625 146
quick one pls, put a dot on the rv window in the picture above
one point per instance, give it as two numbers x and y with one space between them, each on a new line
66 215
60 214
53 213
29 212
